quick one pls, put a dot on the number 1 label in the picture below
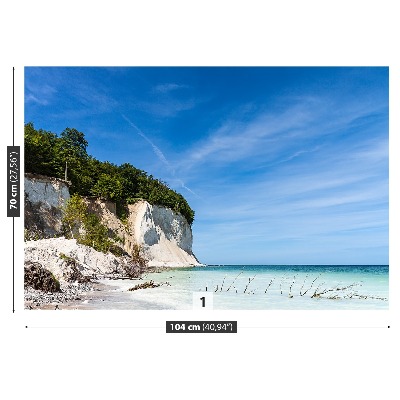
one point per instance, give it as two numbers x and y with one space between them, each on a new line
202 300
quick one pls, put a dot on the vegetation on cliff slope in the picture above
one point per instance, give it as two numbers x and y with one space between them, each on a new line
78 223
86 228
48 154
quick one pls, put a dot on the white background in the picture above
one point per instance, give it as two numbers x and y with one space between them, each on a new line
109 354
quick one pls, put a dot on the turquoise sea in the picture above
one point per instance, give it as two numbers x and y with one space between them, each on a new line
257 287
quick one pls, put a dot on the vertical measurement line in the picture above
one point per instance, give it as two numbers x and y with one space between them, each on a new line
13 107
13 250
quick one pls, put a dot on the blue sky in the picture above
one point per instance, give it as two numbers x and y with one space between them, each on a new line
281 165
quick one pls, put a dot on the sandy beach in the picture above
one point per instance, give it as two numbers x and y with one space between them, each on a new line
112 294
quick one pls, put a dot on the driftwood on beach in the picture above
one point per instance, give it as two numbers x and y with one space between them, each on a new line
320 290
147 285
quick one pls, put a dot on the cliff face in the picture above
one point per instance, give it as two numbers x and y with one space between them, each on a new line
44 199
165 236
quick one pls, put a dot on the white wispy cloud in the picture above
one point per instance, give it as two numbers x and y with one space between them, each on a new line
168 100
96 100
160 155
165 107
41 94
288 133
30 98
315 184
265 134
156 150
168 87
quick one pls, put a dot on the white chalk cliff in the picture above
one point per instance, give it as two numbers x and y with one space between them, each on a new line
164 235
45 198
51 253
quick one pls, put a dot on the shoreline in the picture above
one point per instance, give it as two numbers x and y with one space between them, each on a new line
84 296
173 289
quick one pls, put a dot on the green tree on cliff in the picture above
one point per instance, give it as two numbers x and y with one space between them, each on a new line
48 154
40 151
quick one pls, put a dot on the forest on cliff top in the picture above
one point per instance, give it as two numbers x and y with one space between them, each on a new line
48 154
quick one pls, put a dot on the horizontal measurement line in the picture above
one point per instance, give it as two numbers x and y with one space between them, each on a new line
240 327
95 327
314 327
